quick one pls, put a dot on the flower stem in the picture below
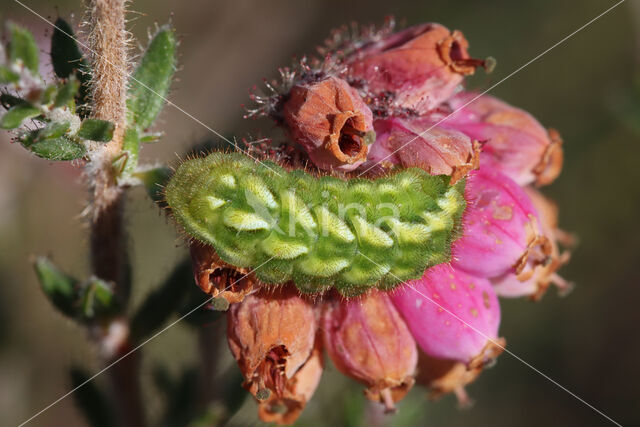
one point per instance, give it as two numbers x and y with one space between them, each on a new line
108 39
109 258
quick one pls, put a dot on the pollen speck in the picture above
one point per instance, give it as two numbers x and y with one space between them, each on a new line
485 300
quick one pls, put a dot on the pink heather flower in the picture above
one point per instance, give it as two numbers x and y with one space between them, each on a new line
452 315
272 335
501 229
399 87
412 142
416 69
367 340
217 278
516 144
444 376
286 408
539 277
330 120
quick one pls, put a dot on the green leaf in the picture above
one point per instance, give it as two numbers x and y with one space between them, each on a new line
149 138
22 47
152 78
204 315
96 130
131 146
68 61
56 148
92 402
97 299
53 130
234 395
162 302
60 288
154 181
17 114
182 400
48 94
66 57
67 92
7 76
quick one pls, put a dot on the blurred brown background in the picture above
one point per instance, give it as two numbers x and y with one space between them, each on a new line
587 88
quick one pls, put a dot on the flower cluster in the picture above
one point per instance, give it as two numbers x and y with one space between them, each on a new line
379 102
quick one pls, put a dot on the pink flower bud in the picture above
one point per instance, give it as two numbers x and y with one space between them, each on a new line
516 143
538 277
330 120
452 315
217 278
271 335
367 340
286 409
417 68
501 230
411 142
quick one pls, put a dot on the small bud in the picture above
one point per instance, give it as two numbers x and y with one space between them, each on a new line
271 335
418 68
417 142
452 315
368 340
540 276
501 228
516 143
286 409
331 122
217 278
97 299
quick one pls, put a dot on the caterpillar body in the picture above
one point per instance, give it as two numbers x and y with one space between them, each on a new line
319 232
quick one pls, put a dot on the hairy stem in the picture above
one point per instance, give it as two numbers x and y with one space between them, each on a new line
108 41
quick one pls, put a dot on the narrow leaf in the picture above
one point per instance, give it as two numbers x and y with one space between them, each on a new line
48 94
17 114
149 138
154 181
58 148
131 145
59 287
23 47
8 76
7 100
162 302
181 403
92 402
67 92
152 79
68 61
53 130
96 130
234 395
97 299
66 57
204 315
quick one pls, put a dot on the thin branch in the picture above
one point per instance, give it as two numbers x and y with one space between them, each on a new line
108 42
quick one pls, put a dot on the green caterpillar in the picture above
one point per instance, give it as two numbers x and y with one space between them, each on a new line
320 232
